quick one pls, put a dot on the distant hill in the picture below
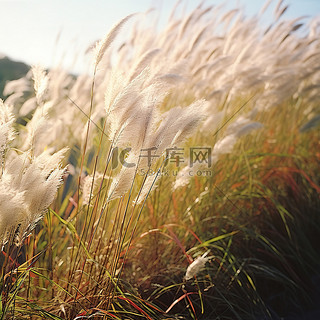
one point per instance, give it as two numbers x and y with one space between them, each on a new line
11 70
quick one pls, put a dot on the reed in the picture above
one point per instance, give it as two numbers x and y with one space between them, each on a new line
179 180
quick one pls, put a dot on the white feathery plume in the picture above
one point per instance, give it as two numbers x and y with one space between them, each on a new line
189 121
165 132
40 191
41 80
265 7
5 112
143 63
6 118
116 83
170 79
28 106
103 44
123 181
47 161
14 86
89 187
134 113
237 129
6 129
278 11
150 183
12 209
185 174
134 131
177 124
34 183
124 104
225 145
15 99
213 121
38 125
197 265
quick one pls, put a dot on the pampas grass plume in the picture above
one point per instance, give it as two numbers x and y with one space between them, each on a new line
196 266
103 44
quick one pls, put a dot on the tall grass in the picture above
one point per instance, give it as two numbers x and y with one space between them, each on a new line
143 227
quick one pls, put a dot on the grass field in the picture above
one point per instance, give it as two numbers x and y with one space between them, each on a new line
179 181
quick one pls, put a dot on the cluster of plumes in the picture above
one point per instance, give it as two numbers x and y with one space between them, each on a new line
29 177
133 112
156 87
132 105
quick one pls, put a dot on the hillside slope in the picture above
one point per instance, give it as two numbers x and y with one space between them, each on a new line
11 70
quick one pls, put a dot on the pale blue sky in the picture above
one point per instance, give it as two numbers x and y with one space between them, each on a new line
29 28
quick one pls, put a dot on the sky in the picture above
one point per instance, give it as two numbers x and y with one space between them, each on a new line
53 32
